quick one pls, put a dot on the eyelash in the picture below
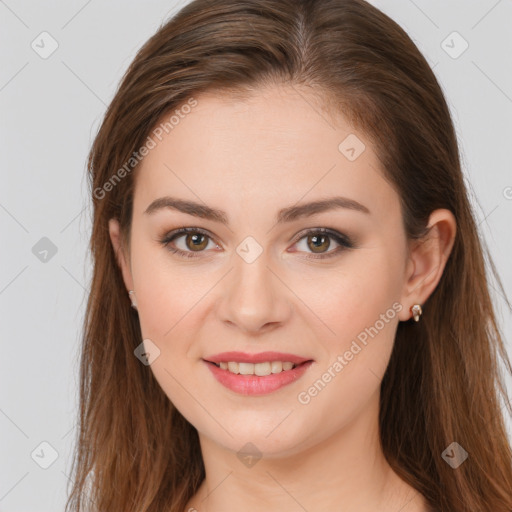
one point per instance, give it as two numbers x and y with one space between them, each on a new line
343 240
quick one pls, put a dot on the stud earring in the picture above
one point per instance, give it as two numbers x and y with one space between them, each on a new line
131 294
416 312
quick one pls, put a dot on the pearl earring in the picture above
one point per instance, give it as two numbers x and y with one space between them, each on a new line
416 312
131 294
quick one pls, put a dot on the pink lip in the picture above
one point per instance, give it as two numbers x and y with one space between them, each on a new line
253 384
261 357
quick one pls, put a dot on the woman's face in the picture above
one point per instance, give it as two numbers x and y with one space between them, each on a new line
258 276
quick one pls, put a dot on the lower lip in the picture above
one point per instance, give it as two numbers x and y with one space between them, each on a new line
255 385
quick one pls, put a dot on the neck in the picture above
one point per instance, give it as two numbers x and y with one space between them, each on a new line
346 471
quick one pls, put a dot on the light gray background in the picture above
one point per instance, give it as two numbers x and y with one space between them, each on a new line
50 110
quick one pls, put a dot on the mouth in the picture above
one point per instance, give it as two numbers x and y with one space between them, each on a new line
257 374
260 364
258 369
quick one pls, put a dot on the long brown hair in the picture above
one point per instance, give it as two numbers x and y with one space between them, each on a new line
135 451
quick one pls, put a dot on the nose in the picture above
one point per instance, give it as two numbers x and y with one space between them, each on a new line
254 298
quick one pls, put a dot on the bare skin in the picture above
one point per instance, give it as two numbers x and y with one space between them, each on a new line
250 159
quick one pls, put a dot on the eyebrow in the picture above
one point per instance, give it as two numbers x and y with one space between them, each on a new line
287 214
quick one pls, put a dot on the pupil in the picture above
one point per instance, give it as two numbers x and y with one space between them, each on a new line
318 241
197 241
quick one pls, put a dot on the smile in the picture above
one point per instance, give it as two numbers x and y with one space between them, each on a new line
260 369
259 378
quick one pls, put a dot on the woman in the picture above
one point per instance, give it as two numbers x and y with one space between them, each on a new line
278 192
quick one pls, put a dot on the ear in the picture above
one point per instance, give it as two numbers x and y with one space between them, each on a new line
427 260
120 252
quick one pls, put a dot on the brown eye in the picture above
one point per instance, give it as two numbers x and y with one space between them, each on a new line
318 243
187 242
196 242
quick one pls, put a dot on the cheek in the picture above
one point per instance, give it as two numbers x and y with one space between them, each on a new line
168 292
171 298
170 306
359 303
353 295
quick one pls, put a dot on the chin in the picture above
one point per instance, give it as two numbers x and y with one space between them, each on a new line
280 440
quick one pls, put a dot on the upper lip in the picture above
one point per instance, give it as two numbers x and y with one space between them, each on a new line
260 357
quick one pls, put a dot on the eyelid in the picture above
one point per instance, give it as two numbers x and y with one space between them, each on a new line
344 241
174 234
325 231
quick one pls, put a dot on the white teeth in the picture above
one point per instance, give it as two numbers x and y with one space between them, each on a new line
259 369
277 366
262 369
246 368
233 367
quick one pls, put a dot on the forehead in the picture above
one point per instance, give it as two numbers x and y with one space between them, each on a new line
276 145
